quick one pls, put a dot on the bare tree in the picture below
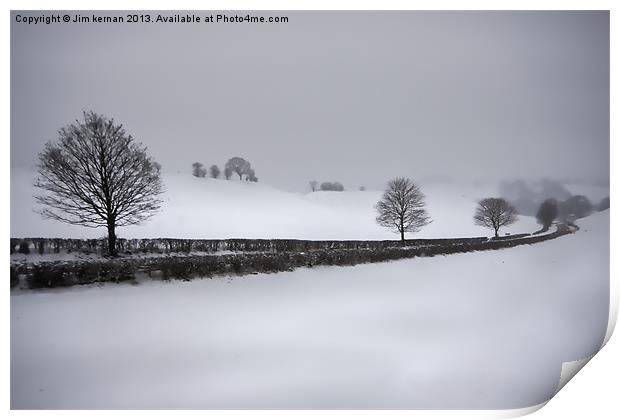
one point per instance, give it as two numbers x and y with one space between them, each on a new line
214 170
250 175
547 213
402 207
239 166
96 175
198 170
494 213
314 185
228 172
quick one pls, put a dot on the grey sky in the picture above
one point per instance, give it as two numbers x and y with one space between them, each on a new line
351 96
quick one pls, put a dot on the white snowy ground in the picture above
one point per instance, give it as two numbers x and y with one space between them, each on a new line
478 330
204 208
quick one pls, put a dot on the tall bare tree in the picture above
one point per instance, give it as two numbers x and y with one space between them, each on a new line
96 175
402 207
494 213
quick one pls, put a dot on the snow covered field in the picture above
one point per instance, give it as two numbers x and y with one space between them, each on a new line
206 208
479 330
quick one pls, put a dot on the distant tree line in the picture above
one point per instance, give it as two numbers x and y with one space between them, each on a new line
326 186
527 199
235 165
567 211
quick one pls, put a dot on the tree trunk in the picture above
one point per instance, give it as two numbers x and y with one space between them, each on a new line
496 235
111 239
402 235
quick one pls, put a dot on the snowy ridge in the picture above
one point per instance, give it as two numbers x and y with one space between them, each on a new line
199 208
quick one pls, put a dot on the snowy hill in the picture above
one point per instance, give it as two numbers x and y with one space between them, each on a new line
370 336
208 208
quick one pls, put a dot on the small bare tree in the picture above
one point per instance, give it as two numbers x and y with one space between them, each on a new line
228 172
198 170
96 175
494 213
402 207
314 185
214 170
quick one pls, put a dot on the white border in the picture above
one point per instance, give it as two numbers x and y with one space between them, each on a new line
595 392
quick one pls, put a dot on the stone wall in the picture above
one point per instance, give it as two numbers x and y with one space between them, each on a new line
256 256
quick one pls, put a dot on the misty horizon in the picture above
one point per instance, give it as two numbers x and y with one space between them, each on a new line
474 96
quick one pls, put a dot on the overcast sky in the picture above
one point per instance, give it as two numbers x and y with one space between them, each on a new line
356 97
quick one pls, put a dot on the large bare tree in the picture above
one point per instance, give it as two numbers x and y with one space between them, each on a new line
96 175
238 165
494 213
402 207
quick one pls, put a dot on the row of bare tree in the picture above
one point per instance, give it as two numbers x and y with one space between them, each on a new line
96 175
402 209
326 186
235 165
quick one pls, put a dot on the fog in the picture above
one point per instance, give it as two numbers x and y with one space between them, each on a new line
355 97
